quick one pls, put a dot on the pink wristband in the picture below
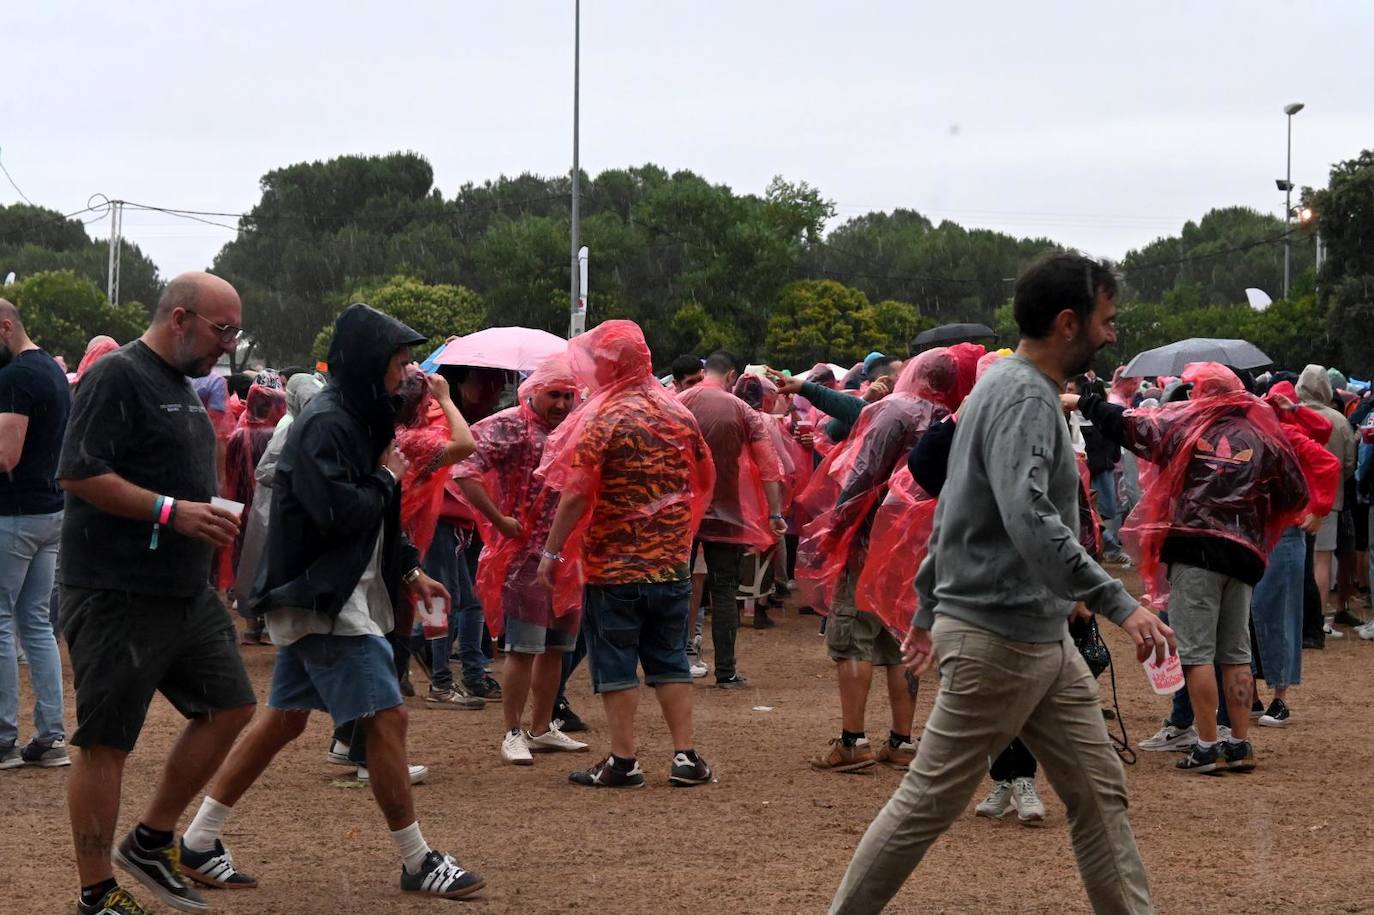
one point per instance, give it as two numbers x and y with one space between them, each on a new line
166 511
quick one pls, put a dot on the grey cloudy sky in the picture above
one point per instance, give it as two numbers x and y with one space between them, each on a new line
1102 125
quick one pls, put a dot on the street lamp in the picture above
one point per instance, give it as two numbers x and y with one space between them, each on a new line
1287 187
578 322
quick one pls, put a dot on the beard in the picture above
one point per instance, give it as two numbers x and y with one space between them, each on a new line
1078 360
194 364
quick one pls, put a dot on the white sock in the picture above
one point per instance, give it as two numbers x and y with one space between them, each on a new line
1205 744
411 845
207 825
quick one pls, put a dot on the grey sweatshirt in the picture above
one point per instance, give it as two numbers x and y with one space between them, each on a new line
1004 552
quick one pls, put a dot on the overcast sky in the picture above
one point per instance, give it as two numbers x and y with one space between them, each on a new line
1102 125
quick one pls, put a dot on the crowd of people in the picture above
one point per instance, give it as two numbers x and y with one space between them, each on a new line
950 510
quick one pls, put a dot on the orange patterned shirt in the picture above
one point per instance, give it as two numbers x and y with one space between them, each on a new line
641 526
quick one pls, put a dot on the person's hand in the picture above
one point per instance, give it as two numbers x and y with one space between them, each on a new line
1069 402
1150 635
547 567
1081 612
203 521
806 439
393 460
786 384
426 589
508 526
879 389
1311 524
438 386
917 651
778 525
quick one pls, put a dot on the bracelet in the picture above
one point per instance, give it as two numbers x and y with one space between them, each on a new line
551 557
157 507
165 510
776 518
410 577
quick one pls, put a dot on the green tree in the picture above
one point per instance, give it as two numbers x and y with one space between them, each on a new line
436 310
821 321
63 311
1345 221
898 325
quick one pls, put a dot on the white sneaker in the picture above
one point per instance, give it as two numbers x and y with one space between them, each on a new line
514 750
1332 632
338 753
553 740
1170 738
1030 810
1366 631
699 670
996 804
417 774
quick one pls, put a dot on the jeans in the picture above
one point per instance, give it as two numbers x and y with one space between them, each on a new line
449 565
28 561
991 690
1277 612
1104 484
722 583
570 661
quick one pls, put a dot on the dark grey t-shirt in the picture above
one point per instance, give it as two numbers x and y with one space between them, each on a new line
136 416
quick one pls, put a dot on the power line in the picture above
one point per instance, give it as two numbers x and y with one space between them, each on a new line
15 186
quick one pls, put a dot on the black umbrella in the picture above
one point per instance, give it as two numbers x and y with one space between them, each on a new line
948 334
1173 358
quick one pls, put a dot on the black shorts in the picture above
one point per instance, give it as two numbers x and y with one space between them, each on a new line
1345 531
124 647
1361 515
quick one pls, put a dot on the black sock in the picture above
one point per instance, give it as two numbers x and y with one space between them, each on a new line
896 740
622 765
151 839
92 894
851 738
690 754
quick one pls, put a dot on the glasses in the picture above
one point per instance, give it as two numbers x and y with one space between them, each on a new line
228 333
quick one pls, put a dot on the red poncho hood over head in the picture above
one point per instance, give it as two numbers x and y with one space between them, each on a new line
422 434
851 480
966 356
612 361
1243 483
99 347
554 373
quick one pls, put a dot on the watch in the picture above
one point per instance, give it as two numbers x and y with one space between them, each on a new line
410 577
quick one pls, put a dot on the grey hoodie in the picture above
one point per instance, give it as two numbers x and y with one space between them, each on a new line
1314 390
1004 552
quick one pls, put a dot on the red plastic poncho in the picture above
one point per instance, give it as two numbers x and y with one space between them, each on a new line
634 452
744 457
1308 432
1226 469
263 408
510 447
422 434
761 394
966 356
849 483
99 347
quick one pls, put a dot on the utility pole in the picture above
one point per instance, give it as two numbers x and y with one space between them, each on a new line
116 238
578 322
1289 110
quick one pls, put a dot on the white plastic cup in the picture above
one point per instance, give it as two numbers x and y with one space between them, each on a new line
229 505
1167 678
433 616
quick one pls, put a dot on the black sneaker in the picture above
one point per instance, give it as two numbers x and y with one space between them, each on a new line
486 688
160 871
687 772
46 755
115 902
214 868
762 620
1200 760
1312 643
1346 618
1276 716
734 682
1238 757
441 876
567 719
605 775
1256 709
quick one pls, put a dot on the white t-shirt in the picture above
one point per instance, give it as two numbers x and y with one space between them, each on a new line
367 611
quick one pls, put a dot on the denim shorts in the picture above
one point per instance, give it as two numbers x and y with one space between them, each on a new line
532 638
633 625
348 676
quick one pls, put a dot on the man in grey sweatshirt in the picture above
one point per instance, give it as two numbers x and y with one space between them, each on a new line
1003 572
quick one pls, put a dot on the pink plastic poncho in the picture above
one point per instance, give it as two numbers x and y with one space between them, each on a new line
99 347
745 458
1308 432
510 447
422 434
761 394
628 412
850 482
263 408
1226 470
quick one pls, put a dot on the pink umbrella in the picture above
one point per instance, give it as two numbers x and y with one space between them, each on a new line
519 348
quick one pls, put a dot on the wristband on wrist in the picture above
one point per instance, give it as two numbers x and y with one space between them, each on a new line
164 514
551 557
160 509
776 517
410 577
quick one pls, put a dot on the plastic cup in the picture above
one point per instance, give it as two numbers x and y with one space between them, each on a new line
229 505
1167 678
433 617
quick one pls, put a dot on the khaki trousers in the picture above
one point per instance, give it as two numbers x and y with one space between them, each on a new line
991 690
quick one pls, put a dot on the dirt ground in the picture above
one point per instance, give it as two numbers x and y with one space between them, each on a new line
771 835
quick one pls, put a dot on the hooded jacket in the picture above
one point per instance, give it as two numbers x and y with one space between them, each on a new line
330 499
1314 390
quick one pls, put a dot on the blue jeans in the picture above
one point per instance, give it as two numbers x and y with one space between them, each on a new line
447 563
1181 716
28 562
637 624
1104 484
1277 612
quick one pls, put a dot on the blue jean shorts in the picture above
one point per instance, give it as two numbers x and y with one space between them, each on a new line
633 625
348 676
532 638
